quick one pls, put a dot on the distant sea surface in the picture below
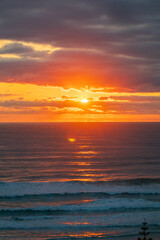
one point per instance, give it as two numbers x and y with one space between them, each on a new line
79 180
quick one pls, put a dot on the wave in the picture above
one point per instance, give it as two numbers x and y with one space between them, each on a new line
69 211
130 186
111 224
129 181
139 181
81 227
100 205
81 195
104 236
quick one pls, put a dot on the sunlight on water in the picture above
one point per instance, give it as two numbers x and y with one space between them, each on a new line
71 140
46 154
101 185
82 164
76 223
91 234
87 153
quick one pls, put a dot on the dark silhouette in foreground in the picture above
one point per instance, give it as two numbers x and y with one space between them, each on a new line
144 232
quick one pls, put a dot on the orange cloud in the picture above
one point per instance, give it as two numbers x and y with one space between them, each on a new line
60 104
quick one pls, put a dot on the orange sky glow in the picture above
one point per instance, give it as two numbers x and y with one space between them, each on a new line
37 103
86 64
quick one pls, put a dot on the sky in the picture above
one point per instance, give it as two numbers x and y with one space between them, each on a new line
79 60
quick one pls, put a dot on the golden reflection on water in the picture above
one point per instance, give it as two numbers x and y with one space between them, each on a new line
91 234
83 146
87 152
71 140
70 202
88 169
89 174
84 156
82 164
83 179
76 223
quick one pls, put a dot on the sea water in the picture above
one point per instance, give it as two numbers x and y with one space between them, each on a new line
79 180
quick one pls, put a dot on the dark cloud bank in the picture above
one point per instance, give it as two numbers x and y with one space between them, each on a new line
118 39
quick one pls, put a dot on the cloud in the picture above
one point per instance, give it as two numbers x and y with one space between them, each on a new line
114 105
6 95
131 98
136 99
68 97
15 48
10 49
38 103
103 98
101 43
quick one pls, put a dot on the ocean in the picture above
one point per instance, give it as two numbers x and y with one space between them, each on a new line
79 180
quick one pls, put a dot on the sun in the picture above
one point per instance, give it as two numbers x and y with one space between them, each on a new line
84 100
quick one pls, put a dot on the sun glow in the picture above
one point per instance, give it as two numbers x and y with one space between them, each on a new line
71 139
84 100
